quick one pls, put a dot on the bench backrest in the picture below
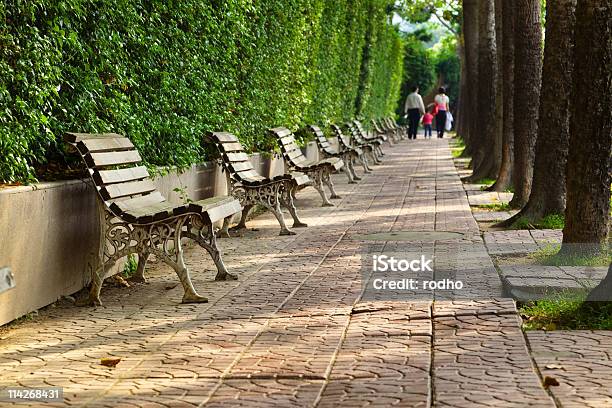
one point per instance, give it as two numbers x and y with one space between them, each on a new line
114 165
342 140
377 127
359 128
354 133
235 161
291 151
321 140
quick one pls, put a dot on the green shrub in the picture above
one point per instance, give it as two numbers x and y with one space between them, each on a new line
163 73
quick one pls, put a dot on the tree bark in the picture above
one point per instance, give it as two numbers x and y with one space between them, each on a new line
587 215
470 36
483 157
504 178
548 189
527 74
461 108
499 95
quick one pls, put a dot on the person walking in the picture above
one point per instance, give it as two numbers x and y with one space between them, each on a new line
441 101
427 121
414 108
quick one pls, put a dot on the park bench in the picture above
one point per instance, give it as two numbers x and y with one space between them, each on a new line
136 219
319 171
379 130
401 131
250 188
388 130
345 145
369 137
348 156
371 147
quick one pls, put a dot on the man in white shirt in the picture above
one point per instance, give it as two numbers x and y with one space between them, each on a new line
414 109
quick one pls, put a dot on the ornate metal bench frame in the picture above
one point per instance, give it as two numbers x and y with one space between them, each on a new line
318 171
371 148
250 188
136 219
348 156
356 152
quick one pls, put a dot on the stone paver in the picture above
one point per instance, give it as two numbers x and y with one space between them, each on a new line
296 329
520 241
532 282
581 361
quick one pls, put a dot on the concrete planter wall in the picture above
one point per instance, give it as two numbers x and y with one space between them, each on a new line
49 231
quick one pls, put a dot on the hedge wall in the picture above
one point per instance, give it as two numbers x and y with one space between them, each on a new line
163 72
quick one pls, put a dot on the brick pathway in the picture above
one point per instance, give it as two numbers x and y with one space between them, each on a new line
292 330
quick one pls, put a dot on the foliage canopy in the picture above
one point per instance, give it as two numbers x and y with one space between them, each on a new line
164 72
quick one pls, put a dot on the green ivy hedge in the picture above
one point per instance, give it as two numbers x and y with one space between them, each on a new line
163 72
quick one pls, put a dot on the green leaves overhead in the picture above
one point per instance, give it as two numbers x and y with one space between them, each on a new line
165 72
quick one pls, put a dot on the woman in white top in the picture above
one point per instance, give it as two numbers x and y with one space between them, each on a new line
441 101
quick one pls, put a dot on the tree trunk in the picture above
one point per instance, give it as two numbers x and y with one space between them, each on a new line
548 189
527 74
483 158
470 36
587 215
499 94
460 126
504 178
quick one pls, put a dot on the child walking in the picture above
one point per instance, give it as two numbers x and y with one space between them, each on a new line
427 121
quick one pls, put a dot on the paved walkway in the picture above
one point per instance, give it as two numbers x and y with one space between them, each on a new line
293 331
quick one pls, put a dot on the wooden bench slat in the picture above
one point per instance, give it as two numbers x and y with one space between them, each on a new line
281 131
112 158
237 157
131 188
73 137
120 175
152 212
119 207
294 154
104 145
216 208
225 137
249 173
241 166
287 140
232 147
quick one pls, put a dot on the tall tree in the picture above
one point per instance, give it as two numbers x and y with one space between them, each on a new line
587 217
470 37
484 149
548 189
527 74
504 178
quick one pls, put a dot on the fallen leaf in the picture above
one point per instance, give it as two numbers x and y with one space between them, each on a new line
110 361
118 280
550 382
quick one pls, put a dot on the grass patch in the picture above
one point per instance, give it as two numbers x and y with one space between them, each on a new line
550 255
552 221
457 152
457 147
488 182
494 207
130 266
567 311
